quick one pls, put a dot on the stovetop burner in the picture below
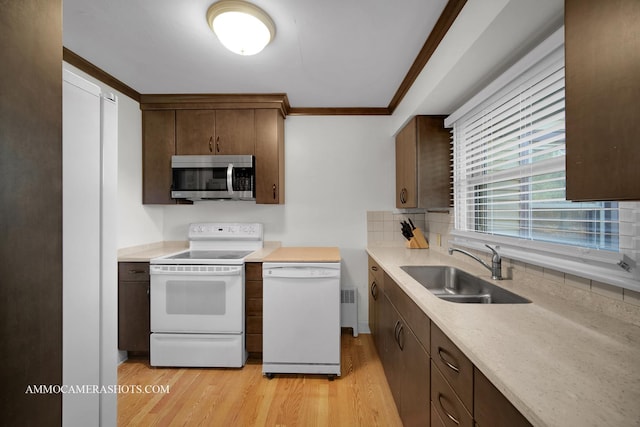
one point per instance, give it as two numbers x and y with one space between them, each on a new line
209 255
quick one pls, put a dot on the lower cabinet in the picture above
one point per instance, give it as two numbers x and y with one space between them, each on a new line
375 301
405 362
432 381
133 306
253 308
491 408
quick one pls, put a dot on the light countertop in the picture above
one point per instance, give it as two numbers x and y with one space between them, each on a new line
304 254
558 363
144 253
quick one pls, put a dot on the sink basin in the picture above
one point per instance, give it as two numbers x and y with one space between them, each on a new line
455 285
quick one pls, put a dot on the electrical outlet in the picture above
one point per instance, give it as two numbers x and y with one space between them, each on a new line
439 239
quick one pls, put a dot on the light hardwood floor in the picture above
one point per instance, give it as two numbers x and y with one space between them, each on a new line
243 397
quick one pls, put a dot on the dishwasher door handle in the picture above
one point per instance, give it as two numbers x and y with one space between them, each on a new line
300 272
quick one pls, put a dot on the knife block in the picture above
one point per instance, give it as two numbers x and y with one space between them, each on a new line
418 240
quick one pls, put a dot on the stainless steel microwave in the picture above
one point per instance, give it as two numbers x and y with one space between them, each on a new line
213 177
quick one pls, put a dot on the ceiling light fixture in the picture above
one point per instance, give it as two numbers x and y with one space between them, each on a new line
241 27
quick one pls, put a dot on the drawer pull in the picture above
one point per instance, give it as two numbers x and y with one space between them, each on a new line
374 268
137 271
451 417
401 333
395 330
451 366
374 291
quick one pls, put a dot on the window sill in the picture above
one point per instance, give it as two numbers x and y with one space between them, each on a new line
595 265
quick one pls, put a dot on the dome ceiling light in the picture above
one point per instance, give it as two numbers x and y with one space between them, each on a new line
241 27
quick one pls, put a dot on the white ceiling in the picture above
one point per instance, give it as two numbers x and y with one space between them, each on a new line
329 53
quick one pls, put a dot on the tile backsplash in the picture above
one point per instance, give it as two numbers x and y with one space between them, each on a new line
624 304
384 226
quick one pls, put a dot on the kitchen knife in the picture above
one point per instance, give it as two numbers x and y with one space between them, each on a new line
406 230
413 227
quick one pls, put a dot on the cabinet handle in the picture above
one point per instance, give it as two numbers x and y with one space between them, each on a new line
403 196
451 417
217 144
148 293
136 271
451 366
374 267
400 334
395 330
210 147
274 192
374 291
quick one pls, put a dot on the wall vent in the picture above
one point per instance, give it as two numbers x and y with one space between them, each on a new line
349 309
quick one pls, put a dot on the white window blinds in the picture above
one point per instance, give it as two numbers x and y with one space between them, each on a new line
509 169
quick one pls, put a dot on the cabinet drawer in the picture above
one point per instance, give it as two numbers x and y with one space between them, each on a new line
491 408
446 402
376 274
417 320
253 271
133 271
436 421
253 289
454 366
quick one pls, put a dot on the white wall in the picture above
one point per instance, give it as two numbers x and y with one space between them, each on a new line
336 169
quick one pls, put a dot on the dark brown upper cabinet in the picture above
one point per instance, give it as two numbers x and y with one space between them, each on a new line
158 145
423 171
602 54
215 132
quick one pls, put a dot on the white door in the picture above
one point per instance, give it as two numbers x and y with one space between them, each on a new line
81 249
89 295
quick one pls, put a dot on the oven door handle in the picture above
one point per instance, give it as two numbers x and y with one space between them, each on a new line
195 270
230 179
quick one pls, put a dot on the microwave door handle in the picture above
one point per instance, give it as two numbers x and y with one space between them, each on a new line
230 179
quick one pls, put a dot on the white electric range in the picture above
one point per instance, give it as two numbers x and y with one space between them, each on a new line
197 298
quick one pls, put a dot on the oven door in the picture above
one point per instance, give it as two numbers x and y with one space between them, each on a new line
197 298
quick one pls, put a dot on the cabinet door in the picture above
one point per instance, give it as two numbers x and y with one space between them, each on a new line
390 323
415 379
406 186
269 152
195 132
133 316
158 145
375 291
491 408
602 90
433 163
235 132
374 295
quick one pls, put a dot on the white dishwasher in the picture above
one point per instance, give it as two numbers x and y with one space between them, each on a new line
301 318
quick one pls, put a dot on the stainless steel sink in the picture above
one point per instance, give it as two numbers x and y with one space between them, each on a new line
455 285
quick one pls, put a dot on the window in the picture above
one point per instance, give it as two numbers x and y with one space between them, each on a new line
509 177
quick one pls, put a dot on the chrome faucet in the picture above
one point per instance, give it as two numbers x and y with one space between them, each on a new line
496 261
